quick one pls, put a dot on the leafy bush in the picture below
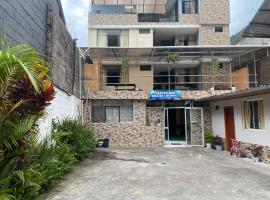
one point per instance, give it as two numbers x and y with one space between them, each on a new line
78 136
218 140
209 137
28 168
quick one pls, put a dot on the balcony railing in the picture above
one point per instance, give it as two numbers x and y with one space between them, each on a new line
176 82
156 18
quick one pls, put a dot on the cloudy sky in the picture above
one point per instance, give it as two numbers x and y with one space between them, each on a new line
242 11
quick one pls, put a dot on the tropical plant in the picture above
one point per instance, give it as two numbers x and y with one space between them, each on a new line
214 69
209 137
171 58
77 135
124 73
18 133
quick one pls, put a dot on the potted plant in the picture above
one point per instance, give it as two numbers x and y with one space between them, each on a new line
218 143
233 88
256 153
208 137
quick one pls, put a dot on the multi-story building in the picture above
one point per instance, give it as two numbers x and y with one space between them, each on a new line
152 60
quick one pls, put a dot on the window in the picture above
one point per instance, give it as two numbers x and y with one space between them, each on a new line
112 74
113 38
253 114
144 31
145 67
218 29
108 111
187 40
190 7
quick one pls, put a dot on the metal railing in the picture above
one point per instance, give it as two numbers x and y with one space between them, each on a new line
183 82
156 18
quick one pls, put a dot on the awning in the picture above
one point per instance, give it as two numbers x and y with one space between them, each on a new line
158 54
143 6
260 25
239 94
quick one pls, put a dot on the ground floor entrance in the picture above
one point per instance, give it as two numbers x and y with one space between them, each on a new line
184 126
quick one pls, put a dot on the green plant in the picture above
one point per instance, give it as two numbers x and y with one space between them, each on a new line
124 73
214 69
77 135
171 58
209 137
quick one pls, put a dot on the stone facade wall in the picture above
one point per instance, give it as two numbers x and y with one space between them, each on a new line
210 37
196 127
247 151
143 95
190 19
130 134
215 12
221 80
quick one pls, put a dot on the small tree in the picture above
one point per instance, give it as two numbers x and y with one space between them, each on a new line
214 69
124 71
171 58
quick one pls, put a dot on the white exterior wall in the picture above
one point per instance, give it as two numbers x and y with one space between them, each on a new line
63 106
140 40
261 137
93 37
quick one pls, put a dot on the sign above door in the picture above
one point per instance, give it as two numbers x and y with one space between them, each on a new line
156 95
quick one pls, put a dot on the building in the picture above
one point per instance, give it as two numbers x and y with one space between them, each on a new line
41 24
257 32
152 63
244 115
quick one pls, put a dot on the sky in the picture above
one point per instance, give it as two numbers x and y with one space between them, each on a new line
242 12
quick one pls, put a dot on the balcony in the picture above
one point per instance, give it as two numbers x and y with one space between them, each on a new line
156 18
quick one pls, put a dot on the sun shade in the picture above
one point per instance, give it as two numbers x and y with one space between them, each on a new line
260 24
157 54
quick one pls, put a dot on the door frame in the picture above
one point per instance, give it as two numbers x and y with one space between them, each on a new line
227 134
185 110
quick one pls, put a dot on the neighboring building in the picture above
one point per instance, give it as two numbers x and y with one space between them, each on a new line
133 96
257 32
41 24
244 115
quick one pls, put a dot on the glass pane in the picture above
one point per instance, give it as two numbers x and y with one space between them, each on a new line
188 126
126 113
112 114
251 115
256 115
113 40
98 114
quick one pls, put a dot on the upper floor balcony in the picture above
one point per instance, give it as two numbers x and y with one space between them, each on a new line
140 12
197 68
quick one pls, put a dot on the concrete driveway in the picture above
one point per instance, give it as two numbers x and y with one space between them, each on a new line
164 174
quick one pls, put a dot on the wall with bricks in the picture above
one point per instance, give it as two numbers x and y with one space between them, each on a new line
25 21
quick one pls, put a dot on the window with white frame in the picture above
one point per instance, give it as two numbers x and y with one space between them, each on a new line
112 38
111 111
253 114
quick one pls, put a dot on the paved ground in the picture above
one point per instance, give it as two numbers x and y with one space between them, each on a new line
164 174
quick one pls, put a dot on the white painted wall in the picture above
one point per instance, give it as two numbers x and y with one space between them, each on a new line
261 137
254 41
63 106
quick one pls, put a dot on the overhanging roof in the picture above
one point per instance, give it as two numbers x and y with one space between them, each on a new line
157 54
259 27
143 6
239 94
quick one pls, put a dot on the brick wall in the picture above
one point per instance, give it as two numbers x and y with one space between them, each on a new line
26 22
210 37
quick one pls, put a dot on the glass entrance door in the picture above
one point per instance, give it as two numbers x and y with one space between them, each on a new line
167 134
194 126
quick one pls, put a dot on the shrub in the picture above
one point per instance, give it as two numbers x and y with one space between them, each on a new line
218 140
75 134
209 137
